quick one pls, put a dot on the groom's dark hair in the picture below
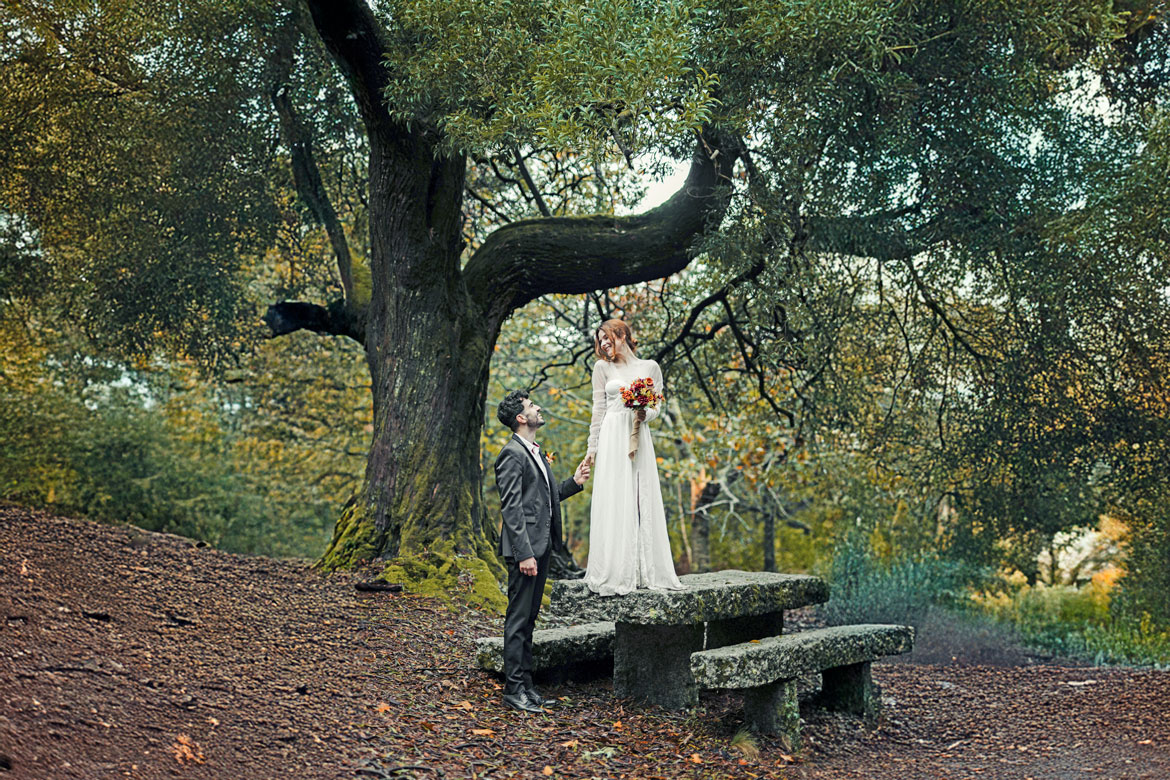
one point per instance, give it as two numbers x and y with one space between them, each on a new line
512 405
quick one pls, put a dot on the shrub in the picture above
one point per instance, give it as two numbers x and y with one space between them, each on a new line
866 588
1078 622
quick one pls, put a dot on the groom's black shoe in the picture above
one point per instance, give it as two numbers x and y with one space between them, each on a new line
521 701
535 697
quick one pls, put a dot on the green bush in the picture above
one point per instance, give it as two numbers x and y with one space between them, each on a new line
868 589
112 459
1079 622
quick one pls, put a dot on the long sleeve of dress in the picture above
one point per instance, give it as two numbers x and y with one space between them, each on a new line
598 405
656 375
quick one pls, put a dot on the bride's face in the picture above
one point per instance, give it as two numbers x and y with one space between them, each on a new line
609 346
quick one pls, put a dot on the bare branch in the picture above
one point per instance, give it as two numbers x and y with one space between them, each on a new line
934 306
540 204
306 174
290 316
504 218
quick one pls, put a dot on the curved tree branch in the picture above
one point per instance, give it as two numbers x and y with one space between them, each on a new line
529 258
290 316
355 38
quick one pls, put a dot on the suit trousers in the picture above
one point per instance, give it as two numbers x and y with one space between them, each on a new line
524 595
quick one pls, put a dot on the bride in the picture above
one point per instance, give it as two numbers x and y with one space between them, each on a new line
628 545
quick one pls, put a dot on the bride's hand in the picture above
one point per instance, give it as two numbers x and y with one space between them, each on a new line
582 473
641 414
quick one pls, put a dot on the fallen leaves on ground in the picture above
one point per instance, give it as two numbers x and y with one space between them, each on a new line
278 670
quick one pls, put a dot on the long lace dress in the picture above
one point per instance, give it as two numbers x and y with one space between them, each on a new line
628 544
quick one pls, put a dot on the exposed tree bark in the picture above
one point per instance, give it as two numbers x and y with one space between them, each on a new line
431 329
561 565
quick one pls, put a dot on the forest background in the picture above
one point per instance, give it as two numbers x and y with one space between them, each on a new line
921 352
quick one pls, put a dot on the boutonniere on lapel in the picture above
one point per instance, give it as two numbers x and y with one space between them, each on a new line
550 457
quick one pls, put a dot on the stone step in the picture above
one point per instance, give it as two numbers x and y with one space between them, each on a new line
751 664
552 647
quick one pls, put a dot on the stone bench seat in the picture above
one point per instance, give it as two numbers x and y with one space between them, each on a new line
553 648
766 671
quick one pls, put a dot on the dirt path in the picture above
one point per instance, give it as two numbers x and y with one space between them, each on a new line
127 654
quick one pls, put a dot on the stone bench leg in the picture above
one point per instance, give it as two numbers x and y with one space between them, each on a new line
850 689
774 709
653 664
734 631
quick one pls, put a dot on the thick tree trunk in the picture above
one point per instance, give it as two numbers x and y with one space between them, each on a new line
428 345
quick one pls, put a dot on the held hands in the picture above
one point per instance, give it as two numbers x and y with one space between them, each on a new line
528 567
583 469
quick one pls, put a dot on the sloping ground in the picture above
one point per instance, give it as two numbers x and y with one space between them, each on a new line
128 654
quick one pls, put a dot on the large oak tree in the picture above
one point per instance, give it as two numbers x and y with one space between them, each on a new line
859 128
432 321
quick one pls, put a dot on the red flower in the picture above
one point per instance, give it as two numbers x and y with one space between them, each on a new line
640 394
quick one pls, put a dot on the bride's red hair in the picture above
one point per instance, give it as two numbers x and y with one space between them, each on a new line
614 329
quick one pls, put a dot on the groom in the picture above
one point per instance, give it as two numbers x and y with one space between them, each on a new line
530 501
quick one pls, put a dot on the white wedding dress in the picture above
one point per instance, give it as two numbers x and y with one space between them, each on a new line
628 544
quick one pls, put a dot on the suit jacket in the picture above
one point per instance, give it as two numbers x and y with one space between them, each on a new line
529 528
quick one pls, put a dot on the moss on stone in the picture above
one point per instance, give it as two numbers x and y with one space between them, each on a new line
704 597
448 576
546 597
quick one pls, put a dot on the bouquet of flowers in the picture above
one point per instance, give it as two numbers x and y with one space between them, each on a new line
639 395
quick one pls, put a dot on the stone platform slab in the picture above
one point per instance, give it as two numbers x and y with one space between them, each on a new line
706 597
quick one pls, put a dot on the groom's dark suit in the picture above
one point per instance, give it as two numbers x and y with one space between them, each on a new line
532 527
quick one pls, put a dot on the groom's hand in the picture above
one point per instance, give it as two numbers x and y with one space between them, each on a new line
528 566
582 472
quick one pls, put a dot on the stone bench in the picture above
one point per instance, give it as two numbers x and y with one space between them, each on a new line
553 648
657 630
767 669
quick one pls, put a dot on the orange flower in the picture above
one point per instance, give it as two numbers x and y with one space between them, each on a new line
640 394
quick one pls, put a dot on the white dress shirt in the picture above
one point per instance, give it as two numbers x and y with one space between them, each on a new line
534 450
